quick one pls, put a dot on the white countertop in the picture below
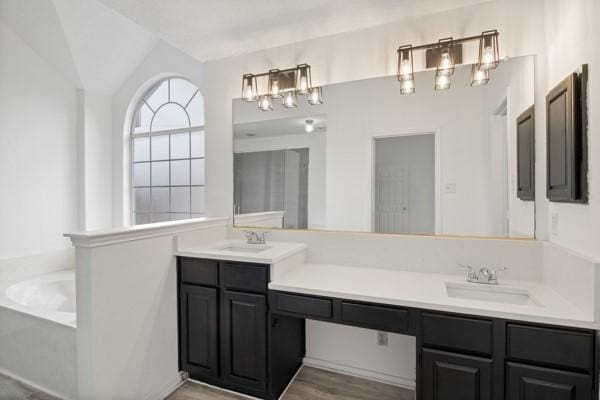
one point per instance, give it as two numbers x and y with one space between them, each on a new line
273 251
427 291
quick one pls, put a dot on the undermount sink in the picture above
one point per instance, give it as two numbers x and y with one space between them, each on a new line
246 248
493 293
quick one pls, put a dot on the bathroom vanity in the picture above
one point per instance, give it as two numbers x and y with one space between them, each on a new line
242 326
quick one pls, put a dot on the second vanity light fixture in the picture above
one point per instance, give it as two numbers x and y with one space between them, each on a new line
284 84
445 51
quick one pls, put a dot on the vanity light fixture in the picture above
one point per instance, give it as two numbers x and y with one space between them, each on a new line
489 56
405 73
249 89
285 84
309 126
445 55
289 99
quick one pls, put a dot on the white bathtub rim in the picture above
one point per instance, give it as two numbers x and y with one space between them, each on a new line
58 317
34 385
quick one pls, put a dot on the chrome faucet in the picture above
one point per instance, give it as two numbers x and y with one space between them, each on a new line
484 276
254 238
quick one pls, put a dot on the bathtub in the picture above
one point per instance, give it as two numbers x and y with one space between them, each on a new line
38 332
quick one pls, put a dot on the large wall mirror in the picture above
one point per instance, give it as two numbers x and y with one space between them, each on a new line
371 159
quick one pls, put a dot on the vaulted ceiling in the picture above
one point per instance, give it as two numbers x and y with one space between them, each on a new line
208 29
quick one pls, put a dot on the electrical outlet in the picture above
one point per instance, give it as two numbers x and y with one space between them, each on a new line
554 224
382 338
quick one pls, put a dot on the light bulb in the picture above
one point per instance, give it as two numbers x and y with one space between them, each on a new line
442 82
406 69
309 126
445 63
303 84
480 76
407 87
289 99
265 103
275 89
487 58
314 97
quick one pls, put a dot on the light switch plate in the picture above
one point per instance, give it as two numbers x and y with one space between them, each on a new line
382 338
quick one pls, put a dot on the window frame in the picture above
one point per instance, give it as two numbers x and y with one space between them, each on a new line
190 130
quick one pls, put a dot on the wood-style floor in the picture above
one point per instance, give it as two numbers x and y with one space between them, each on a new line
310 384
11 389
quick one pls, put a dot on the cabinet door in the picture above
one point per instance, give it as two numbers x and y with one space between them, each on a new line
526 382
449 376
526 155
199 333
245 339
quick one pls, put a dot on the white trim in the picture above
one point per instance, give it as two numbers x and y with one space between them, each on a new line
220 389
168 389
32 384
399 381
436 132
137 232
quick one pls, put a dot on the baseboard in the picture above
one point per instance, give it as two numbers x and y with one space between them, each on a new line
167 389
33 384
406 383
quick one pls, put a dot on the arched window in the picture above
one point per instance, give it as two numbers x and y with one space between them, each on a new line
167 153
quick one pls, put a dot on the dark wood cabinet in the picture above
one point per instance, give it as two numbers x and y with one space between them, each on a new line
526 382
244 339
566 126
199 330
450 376
526 155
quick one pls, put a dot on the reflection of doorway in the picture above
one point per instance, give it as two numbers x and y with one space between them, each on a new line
273 181
404 190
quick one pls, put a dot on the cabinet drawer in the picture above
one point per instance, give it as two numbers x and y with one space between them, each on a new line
525 382
382 318
558 347
244 276
302 305
457 333
197 271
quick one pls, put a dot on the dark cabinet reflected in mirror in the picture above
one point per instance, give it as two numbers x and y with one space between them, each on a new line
450 162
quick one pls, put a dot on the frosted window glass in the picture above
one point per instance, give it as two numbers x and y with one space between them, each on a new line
180 199
140 219
141 174
141 200
182 91
158 95
197 143
161 217
198 201
180 172
160 147
180 145
196 110
198 172
141 149
143 119
160 173
170 116
160 199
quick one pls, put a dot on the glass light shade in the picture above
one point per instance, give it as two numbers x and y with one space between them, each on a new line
265 103
407 87
479 76
303 81
405 64
289 99
249 89
309 126
489 56
274 84
446 62
314 97
442 82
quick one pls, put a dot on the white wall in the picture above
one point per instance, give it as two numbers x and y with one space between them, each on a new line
38 151
571 40
316 142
